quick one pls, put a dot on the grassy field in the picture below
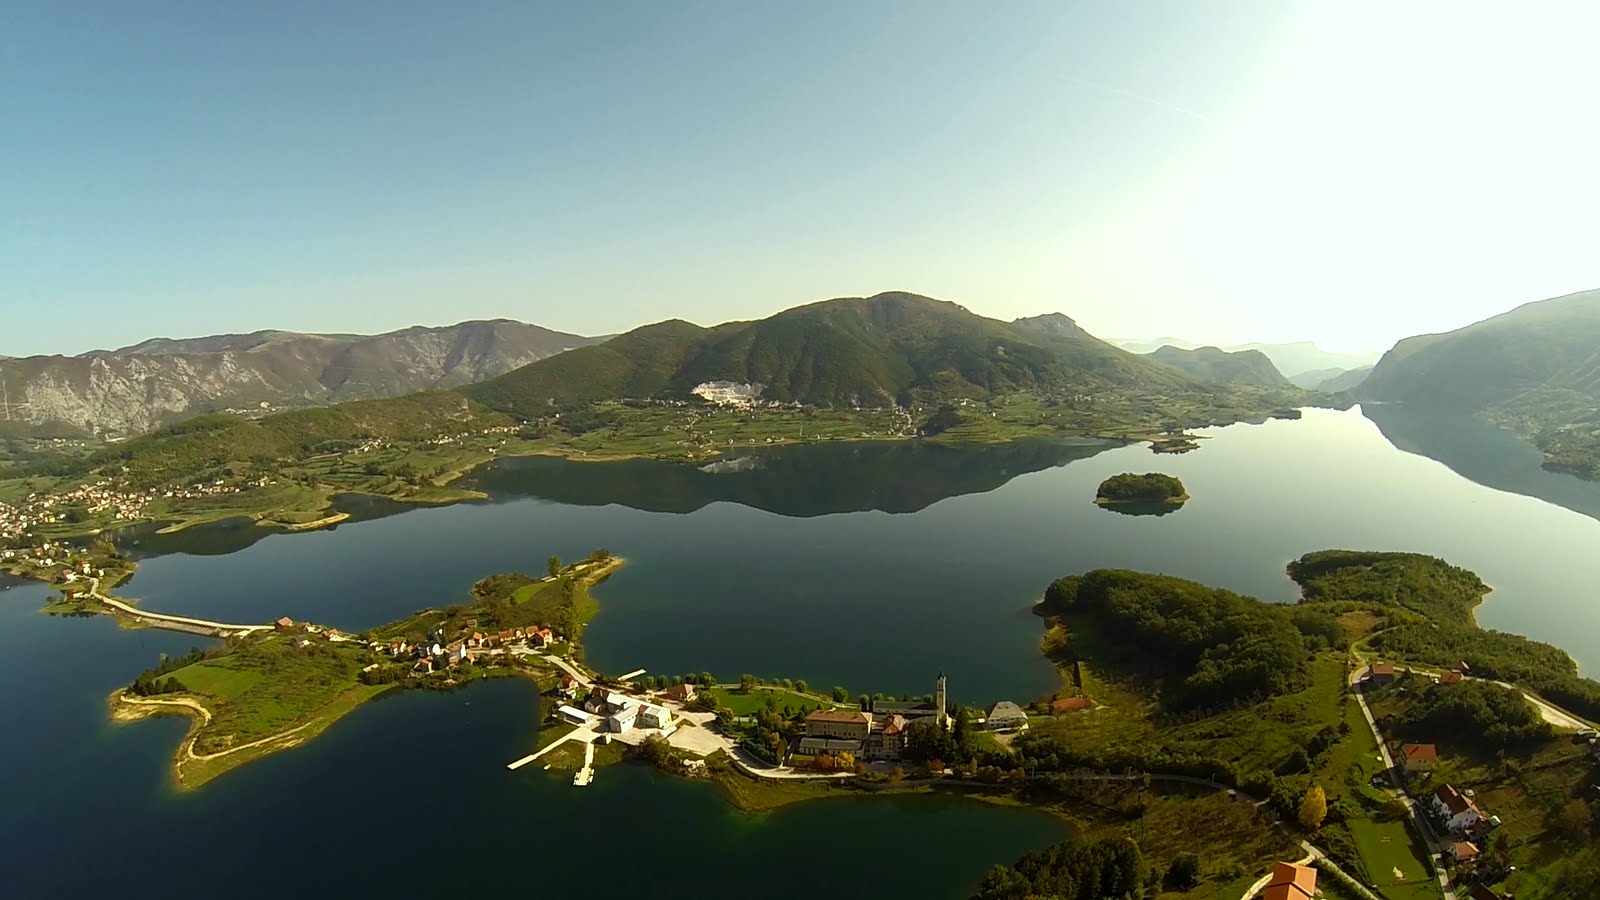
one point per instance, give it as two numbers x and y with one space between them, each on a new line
193 773
268 685
224 678
1396 864
744 704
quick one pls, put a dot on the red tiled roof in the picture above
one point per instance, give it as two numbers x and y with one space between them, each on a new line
1383 669
1464 850
1068 704
1454 800
1420 752
1450 678
1291 882
838 715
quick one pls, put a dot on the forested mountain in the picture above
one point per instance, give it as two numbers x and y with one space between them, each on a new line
868 351
1535 370
1213 364
134 389
1344 381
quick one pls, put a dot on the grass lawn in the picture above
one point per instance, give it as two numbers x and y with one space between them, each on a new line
747 704
288 686
1395 860
220 678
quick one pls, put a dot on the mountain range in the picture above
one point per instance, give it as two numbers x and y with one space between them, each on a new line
868 351
136 388
1302 362
1534 370
1227 367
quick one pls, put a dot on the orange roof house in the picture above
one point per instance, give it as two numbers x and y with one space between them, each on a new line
1420 753
1291 882
1071 704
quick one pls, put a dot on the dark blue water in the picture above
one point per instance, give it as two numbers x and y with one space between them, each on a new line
411 789
863 566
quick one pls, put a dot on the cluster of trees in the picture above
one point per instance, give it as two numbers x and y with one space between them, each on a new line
1151 487
1432 603
150 681
1075 869
1477 712
748 683
1207 647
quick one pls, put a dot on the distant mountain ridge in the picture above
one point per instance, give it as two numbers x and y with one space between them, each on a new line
157 381
1291 359
1214 364
1534 370
868 351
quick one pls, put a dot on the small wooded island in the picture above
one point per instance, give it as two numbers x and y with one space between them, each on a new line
1148 488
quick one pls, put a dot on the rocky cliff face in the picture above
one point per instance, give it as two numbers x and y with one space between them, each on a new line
121 392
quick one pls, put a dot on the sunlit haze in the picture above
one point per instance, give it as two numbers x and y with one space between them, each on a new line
1349 172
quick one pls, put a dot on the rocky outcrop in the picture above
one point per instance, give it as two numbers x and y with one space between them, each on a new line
134 389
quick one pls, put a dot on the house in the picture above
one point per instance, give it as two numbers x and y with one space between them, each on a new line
456 651
1450 678
1070 704
1382 673
424 665
1457 810
476 640
682 693
1005 716
505 637
596 701
469 623
1290 882
849 725
284 624
568 686
653 716
539 637
623 719
1463 851
303 643
1418 758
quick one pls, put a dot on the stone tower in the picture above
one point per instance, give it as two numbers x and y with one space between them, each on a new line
940 703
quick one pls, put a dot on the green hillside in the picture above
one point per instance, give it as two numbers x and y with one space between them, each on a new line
1535 370
871 351
1213 364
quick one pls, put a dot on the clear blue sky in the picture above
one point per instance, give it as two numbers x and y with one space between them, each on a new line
1345 171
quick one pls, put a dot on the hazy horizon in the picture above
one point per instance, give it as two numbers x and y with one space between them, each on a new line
1349 173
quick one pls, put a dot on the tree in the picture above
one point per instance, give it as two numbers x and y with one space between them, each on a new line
1184 872
802 687
708 680
840 695
747 683
1314 808
553 566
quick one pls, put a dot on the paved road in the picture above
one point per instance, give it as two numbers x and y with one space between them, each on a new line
1419 815
158 618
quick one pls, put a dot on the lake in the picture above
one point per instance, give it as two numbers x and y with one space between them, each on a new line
873 566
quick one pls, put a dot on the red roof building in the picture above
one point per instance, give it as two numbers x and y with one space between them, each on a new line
1071 704
1291 882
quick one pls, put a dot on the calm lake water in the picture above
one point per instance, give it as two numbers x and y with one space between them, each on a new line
868 565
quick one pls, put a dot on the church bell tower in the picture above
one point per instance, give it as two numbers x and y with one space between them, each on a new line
941 703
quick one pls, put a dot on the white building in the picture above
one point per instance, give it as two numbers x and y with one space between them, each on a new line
575 716
623 719
653 716
1457 810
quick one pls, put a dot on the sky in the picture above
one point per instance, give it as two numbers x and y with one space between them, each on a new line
1350 172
